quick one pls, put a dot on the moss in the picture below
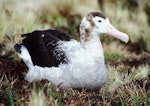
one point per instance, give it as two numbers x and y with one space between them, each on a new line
113 57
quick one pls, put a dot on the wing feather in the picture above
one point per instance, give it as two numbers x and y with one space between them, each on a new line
44 48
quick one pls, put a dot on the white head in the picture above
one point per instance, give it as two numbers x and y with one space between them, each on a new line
97 23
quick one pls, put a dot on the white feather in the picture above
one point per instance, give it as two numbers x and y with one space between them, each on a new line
86 67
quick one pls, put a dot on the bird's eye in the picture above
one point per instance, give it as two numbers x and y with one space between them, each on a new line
99 21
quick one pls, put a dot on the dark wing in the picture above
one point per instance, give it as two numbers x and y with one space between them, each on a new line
43 47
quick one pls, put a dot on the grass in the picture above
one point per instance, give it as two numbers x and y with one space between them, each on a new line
10 97
113 57
128 64
4 25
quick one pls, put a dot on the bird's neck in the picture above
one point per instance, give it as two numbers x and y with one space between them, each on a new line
90 39
92 44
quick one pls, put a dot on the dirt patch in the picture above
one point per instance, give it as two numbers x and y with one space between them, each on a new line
133 61
11 67
12 78
137 47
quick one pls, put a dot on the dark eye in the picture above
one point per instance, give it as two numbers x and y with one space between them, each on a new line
99 21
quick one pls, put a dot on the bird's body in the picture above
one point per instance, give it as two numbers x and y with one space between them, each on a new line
52 55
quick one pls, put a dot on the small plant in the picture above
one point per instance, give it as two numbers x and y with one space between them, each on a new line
10 96
37 97
122 102
55 97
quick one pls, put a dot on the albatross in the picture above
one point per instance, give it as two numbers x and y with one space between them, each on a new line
65 62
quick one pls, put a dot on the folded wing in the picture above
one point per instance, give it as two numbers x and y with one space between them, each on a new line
43 47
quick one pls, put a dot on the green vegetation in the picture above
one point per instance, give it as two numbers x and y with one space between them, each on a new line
113 57
128 65
10 97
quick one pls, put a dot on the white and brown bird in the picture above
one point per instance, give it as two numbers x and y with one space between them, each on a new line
52 55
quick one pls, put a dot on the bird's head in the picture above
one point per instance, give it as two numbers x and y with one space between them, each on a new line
97 23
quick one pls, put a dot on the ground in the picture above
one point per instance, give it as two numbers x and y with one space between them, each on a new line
128 65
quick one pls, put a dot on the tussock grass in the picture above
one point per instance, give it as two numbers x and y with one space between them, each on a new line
134 23
120 49
4 24
37 98
128 64
117 78
133 94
